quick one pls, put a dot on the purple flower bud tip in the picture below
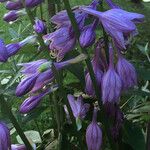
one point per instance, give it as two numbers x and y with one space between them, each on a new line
10 16
127 73
26 85
32 3
87 37
5 143
11 5
94 134
3 51
111 82
39 26
79 109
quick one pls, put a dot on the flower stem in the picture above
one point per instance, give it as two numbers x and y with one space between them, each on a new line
105 121
14 122
39 36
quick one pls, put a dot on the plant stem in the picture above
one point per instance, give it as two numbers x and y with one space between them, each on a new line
92 75
39 36
41 11
15 123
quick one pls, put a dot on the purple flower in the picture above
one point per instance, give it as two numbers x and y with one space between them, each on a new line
1 1
39 26
32 102
26 85
117 23
11 5
78 108
127 73
62 40
18 147
3 52
5 142
11 16
111 4
32 3
111 82
94 134
87 37
97 67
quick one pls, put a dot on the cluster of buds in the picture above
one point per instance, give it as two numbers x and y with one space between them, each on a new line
16 8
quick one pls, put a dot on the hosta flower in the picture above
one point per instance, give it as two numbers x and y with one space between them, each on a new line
32 3
18 147
87 37
97 67
94 134
39 73
5 143
3 52
26 85
33 101
78 108
117 23
111 82
14 5
39 26
126 72
62 40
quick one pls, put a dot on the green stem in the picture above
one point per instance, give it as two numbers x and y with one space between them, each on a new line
58 5
92 75
14 122
39 36
41 11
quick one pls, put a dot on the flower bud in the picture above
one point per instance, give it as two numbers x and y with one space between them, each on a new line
31 103
14 5
3 51
111 82
127 73
13 48
87 37
5 143
94 134
39 26
26 85
32 3
10 16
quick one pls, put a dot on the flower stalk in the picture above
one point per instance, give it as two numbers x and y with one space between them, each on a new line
92 75
15 123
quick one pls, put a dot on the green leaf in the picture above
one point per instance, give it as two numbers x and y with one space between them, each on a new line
132 135
78 123
143 73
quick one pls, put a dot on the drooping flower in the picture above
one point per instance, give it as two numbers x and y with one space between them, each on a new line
94 134
78 108
111 82
39 26
127 73
3 52
14 5
98 70
117 23
5 143
87 37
